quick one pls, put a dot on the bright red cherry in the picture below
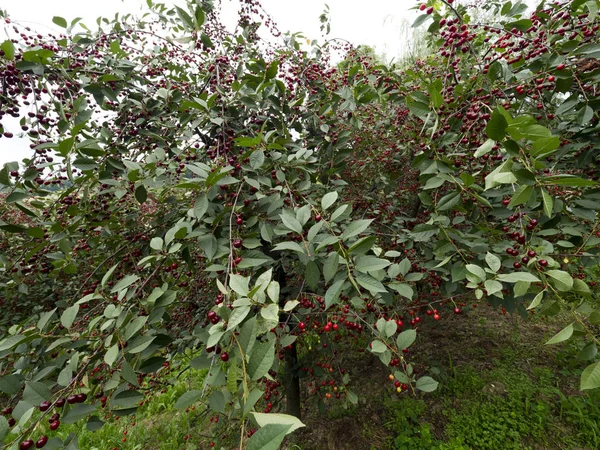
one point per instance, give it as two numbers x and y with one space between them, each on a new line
224 356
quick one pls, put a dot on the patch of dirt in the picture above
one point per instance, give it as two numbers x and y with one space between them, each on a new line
474 338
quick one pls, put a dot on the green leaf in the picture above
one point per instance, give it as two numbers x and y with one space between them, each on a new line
312 275
521 196
268 437
485 148
426 384
156 243
328 199
536 301
403 289
406 339
35 393
493 262
371 284
124 283
128 373
261 359
492 286
448 201
476 271
187 399
4 428
93 424
562 335
199 16
44 319
378 347
333 293
496 126
68 316
134 326
141 195
11 384
200 206
139 344
548 203
216 401
562 281
185 18
370 263
291 223
111 355
9 53
253 397
590 378
330 266
239 284
263 419
568 180
237 316
355 228
588 353
78 412
289 245
518 276
126 399
59 21
545 146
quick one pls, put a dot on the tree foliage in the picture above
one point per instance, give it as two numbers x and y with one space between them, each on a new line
207 199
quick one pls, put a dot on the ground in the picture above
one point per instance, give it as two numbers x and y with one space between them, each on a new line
500 387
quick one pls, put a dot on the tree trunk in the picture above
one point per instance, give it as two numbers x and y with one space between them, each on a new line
293 382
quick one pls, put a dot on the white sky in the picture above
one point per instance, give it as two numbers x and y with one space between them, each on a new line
376 23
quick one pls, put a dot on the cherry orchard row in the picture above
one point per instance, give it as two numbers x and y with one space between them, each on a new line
203 198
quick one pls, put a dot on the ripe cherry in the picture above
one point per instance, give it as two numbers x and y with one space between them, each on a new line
41 442
318 218
457 310
72 399
224 356
44 406
26 445
54 425
237 243
543 262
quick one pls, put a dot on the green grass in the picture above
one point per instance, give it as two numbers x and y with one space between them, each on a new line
501 407
156 426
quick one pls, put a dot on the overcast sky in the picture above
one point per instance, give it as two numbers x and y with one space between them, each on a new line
377 23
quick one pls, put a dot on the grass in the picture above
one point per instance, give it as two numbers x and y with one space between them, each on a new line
500 388
156 426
